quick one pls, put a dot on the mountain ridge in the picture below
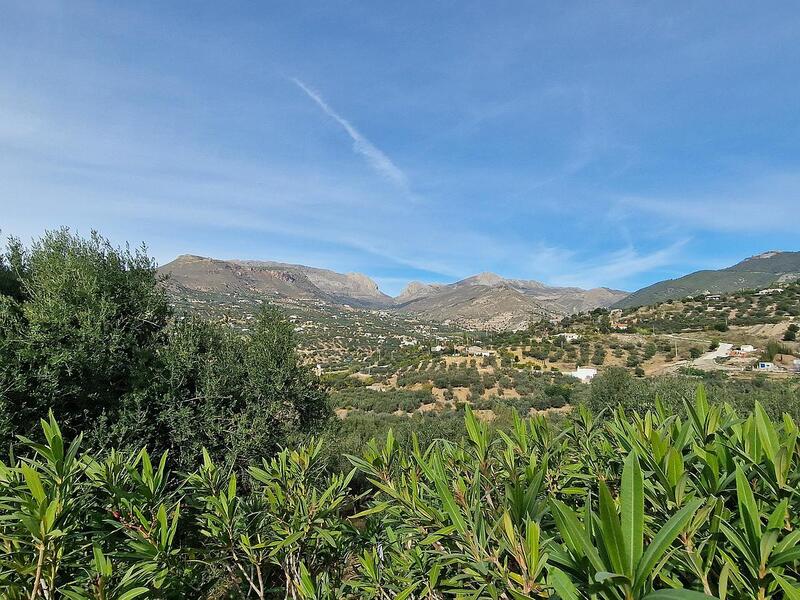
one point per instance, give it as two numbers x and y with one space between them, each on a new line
207 274
485 299
757 271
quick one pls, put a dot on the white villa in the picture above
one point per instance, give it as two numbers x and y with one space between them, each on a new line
569 337
478 351
584 374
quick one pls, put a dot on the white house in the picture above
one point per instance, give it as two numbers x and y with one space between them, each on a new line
746 348
764 365
569 337
438 349
585 374
768 291
478 351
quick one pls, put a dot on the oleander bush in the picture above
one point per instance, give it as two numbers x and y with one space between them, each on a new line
620 506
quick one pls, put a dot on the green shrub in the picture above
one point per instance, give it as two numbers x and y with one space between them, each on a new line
634 507
87 331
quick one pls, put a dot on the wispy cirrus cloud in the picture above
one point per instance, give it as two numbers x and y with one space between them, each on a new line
617 268
763 204
376 158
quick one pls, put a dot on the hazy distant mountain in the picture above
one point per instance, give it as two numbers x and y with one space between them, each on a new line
490 300
275 280
755 272
486 300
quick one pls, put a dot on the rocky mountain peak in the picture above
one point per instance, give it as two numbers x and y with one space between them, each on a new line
486 278
364 284
414 290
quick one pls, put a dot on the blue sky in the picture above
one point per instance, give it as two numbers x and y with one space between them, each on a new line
581 143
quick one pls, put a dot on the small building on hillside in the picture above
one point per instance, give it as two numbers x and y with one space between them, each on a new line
438 349
764 365
584 374
768 291
569 337
743 350
478 351
713 297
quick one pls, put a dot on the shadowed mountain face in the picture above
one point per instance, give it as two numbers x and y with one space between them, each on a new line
756 272
482 301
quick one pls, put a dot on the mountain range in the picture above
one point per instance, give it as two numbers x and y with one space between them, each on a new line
499 303
484 301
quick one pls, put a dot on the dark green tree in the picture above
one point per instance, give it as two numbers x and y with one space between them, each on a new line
250 393
86 330
78 321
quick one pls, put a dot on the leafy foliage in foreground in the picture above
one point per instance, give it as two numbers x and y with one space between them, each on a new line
86 330
652 506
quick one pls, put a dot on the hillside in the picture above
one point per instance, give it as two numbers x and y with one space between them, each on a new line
498 307
278 281
756 272
489 301
718 340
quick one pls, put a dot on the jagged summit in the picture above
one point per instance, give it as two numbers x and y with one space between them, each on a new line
414 290
274 279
